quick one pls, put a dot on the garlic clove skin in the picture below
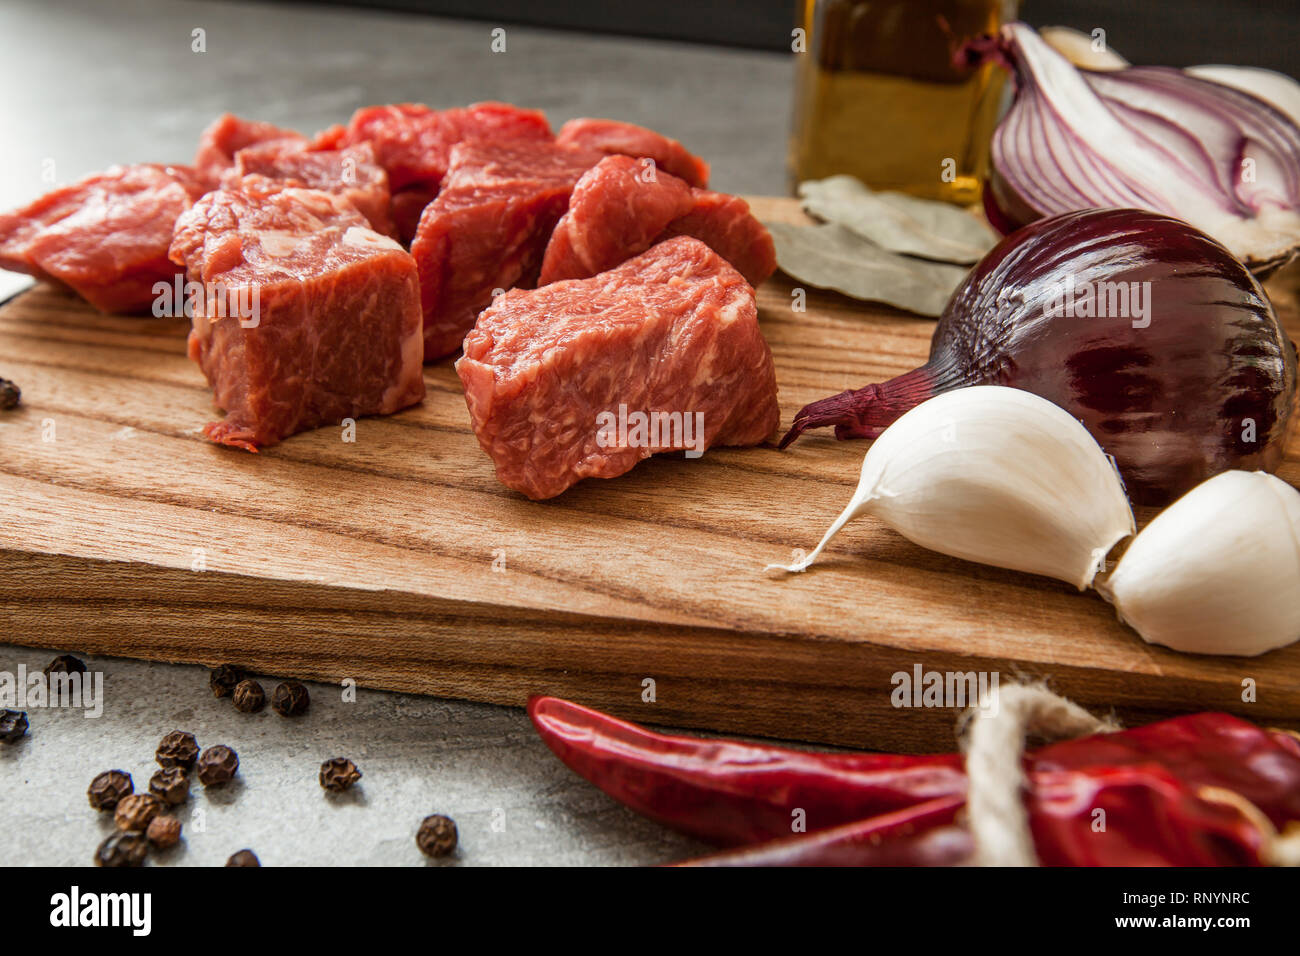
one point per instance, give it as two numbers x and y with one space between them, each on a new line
998 476
1218 571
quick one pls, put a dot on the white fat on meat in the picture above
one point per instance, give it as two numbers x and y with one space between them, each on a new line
364 238
278 244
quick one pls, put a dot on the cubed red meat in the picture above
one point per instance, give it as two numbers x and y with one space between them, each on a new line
621 207
406 207
226 136
725 224
350 172
488 228
413 142
556 377
618 209
105 237
308 316
626 139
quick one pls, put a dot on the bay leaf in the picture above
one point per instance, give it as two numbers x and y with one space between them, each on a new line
898 222
831 256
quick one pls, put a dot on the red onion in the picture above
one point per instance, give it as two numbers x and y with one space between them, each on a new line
1148 137
1204 381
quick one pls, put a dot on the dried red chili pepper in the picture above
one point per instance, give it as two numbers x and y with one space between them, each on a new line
1205 750
733 793
921 835
1138 815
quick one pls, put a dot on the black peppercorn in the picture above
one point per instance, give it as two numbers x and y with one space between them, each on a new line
223 679
177 749
338 774
170 785
123 848
65 664
10 394
108 789
290 699
135 811
163 831
13 724
437 835
249 697
217 765
244 858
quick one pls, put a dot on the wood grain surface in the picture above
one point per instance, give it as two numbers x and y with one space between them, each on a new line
399 561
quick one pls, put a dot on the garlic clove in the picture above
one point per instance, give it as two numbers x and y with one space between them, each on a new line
995 475
1218 571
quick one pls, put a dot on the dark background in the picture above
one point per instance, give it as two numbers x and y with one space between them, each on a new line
1169 32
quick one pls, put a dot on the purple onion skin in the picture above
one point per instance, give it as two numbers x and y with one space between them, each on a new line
1172 402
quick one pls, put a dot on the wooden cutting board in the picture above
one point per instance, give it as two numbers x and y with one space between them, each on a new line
398 560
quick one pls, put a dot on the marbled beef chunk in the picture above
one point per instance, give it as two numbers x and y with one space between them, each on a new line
488 228
626 139
351 172
105 237
620 208
227 135
308 316
674 330
413 144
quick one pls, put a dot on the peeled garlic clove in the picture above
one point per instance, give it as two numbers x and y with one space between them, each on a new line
995 475
1218 571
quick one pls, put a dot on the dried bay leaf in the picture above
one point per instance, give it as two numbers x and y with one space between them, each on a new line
831 256
898 222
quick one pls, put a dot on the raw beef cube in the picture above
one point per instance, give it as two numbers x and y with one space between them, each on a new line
350 172
406 207
488 228
413 142
725 224
105 237
580 379
308 316
333 137
226 136
618 210
611 136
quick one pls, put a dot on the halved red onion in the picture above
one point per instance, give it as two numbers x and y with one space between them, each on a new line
1145 329
1144 137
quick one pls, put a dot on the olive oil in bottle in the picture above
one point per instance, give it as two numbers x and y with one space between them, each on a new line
879 96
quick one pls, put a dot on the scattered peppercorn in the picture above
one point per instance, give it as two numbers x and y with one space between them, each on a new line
177 749
170 785
13 724
135 811
437 835
290 699
249 697
10 394
224 678
163 831
65 664
123 848
108 789
244 858
217 765
338 774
